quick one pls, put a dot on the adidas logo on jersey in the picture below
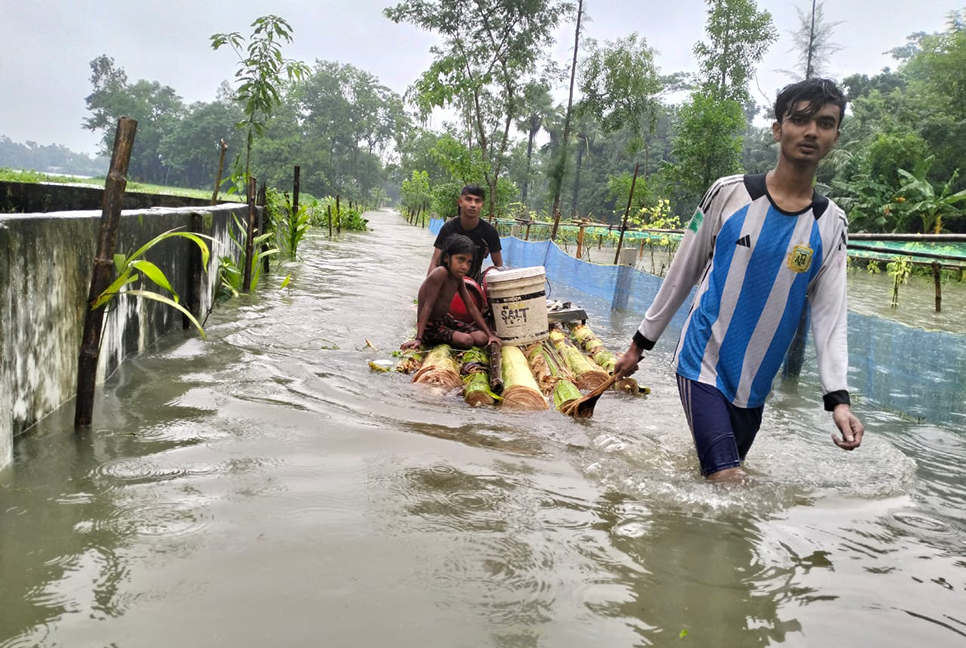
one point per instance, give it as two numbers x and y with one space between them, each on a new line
744 240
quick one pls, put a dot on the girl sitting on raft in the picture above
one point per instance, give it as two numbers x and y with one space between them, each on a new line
434 324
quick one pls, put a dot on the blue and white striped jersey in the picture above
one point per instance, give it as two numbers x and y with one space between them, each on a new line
757 265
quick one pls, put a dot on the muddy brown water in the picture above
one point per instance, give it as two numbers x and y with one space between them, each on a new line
265 488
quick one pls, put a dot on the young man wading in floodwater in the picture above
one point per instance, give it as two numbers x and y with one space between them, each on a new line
468 223
760 245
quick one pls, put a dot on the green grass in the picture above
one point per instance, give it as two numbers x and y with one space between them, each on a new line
9 175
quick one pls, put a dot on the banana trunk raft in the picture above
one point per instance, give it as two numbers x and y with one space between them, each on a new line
545 375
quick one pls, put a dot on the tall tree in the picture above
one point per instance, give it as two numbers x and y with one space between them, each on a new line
587 130
537 104
708 143
620 85
738 35
557 174
260 73
812 42
155 107
489 49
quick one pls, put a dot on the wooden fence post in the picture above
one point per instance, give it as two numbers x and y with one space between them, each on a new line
936 275
328 208
261 201
295 190
338 215
249 236
580 238
221 167
103 269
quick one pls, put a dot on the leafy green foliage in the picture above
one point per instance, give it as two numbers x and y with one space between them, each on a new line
132 268
260 71
489 50
231 274
415 194
738 35
920 199
899 269
708 143
620 84
291 227
619 187
155 107
353 221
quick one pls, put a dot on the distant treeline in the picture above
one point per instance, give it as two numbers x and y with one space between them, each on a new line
52 158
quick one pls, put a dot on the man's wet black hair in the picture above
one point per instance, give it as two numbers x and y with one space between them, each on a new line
457 244
817 92
473 190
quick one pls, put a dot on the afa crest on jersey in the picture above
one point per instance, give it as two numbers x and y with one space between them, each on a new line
800 258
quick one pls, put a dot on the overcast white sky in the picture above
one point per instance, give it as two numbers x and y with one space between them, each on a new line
46 45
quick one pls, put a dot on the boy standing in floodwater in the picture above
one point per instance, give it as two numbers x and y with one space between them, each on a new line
468 223
434 324
761 246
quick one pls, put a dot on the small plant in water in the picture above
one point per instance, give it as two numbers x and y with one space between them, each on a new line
131 268
231 274
291 228
899 269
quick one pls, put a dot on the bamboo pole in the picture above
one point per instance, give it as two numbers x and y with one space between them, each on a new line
627 211
221 167
295 189
328 208
249 236
939 289
580 239
260 202
103 265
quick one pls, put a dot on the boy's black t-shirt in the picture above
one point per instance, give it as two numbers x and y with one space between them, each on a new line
484 237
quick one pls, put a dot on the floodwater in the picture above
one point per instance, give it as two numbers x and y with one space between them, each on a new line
264 488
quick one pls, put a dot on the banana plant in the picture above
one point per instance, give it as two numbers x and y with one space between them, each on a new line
923 201
132 268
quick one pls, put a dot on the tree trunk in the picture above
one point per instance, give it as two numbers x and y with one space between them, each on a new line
526 178
249 236
630 198
580 159
566 134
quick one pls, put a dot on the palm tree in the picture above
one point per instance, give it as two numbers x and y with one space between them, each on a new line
537 104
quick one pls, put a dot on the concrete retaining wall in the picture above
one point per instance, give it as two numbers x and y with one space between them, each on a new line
45 268
35 198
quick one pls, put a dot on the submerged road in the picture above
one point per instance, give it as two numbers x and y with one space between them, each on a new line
265 488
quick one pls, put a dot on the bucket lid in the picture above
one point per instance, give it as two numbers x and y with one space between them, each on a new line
517 273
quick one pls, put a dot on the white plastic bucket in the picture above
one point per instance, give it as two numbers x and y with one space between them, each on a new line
519 302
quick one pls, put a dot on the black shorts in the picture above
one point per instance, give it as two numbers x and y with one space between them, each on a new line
441 331
722 433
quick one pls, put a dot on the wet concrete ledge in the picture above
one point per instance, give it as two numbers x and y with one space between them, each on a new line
45 268
38 198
